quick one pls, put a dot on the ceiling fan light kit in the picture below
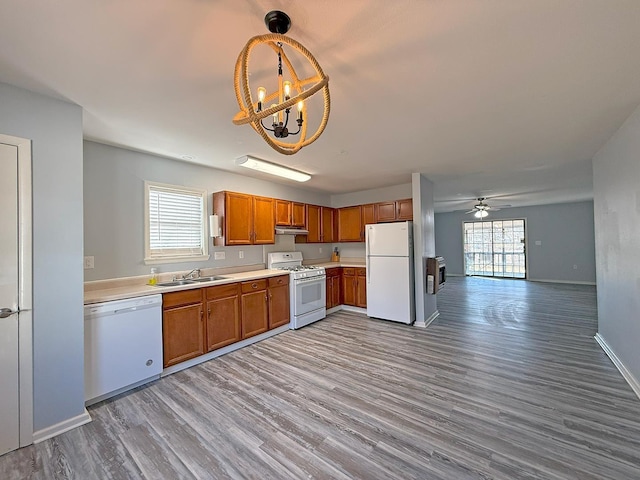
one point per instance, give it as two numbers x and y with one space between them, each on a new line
290 92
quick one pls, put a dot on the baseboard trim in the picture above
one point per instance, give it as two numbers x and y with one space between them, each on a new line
428 321
570 282
62 427
350 308
631 380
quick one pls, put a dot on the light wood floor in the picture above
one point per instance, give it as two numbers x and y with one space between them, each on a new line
507 383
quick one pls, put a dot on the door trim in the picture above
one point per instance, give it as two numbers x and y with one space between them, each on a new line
25 287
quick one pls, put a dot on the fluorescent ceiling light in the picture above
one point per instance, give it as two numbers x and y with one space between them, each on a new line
272 168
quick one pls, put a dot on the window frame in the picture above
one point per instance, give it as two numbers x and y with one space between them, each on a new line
149 257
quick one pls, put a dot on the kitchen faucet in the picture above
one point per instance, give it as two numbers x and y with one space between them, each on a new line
195 273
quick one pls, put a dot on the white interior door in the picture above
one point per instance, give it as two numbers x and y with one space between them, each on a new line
9 380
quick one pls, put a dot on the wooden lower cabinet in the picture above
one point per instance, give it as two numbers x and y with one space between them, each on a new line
255 310
334 281
223 315
278 289
183 329
201 320
361 287
354 286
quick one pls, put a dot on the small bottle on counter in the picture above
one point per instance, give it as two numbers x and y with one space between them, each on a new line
154 276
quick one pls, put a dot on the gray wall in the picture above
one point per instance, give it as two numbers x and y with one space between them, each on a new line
565 231
616 182
55 128
395 192
424 244
114 208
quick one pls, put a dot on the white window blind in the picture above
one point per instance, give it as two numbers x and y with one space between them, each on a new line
175 222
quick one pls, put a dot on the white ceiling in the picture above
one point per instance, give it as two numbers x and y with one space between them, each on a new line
492 98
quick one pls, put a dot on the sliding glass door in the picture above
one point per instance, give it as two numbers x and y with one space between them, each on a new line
495 248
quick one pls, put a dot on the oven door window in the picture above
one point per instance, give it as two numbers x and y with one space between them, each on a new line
310 296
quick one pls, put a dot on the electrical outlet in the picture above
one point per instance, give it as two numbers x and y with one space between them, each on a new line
319 249
88 262
538 242
218 256
575 267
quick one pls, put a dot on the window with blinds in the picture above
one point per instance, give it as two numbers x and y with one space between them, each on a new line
175 226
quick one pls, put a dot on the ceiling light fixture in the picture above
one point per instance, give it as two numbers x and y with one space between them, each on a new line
288 92
272 168
481 214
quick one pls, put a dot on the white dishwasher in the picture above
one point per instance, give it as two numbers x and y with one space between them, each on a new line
122 345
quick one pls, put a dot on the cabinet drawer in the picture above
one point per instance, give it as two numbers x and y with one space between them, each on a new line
281 280
222 291
254 285
361 271
349 271
184 297
333 272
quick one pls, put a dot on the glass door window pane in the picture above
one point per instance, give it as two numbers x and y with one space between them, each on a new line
495 248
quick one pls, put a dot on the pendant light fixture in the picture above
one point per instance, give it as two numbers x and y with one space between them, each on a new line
275 123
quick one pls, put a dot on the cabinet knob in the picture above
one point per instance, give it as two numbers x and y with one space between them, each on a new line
254 285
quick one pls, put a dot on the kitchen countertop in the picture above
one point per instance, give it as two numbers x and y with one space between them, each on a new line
344 262
130 287
118 289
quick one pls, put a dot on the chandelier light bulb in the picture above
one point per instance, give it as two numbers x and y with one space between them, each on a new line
287 90
262 92
275 115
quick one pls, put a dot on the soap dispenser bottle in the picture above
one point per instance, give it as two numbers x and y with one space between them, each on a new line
154 276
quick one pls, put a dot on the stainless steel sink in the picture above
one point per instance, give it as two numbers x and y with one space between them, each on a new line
174 283
208 279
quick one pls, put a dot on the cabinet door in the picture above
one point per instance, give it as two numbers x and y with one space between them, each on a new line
255 313
313 224
264 227
368 214
328 225
386 211
404 209
278 301
349 286
223 316
283 212
361 288
350 224
238 219
182 333
298 216
329 290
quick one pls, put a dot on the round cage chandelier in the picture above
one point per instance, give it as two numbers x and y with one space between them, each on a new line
290 92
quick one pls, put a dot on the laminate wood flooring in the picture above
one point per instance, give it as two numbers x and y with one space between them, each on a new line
507 383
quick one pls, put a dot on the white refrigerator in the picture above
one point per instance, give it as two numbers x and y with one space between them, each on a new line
390 285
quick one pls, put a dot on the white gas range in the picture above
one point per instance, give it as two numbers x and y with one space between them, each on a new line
307 288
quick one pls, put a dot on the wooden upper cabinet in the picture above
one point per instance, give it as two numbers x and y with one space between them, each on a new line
283 212
290 213
298 214
236 212
247 219
368 214
264 228
314 224
386 211
404 209
398 210
328 230
350 224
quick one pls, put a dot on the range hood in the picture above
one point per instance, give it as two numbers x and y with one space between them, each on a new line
291 231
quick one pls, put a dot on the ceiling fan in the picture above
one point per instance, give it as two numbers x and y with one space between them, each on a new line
481 209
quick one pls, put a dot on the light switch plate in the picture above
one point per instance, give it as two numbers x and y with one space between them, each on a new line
88 262
241 254
218 256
